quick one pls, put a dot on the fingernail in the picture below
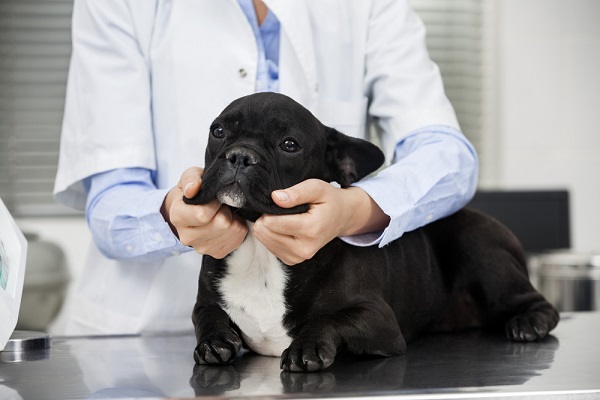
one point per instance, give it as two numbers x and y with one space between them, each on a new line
185 189
281 195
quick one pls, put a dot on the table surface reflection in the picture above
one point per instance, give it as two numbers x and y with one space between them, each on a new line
466 365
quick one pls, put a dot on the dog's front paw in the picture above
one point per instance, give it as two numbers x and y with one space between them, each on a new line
218 348
307 356
529 327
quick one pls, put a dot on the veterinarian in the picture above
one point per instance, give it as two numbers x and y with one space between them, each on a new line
148 77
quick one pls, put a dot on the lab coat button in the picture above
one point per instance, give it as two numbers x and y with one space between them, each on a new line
243 73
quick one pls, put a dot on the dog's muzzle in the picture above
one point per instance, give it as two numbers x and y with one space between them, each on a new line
239 160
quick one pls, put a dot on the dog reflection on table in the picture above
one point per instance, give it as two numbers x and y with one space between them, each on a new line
469 359
463 271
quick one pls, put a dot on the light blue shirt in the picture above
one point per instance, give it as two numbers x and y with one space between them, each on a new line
433 175
267 43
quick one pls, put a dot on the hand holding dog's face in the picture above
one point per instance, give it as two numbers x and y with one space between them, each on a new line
212 228
256 147
333 213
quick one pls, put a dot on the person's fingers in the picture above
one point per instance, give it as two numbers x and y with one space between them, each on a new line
279 245
185 215
291 247
296 225
221 236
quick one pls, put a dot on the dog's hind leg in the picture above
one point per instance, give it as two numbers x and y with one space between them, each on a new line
486 260
363 329
510 301
492 265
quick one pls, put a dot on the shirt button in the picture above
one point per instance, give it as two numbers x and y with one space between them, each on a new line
157 237
429 217
242 73
129 248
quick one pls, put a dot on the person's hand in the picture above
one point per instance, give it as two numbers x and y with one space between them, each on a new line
211 228
333 212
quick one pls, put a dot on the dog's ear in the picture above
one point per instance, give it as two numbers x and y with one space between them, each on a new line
350 159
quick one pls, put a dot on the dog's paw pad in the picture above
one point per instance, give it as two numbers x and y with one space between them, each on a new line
527 327
311 357
218 350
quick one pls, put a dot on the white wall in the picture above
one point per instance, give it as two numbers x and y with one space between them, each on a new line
549 104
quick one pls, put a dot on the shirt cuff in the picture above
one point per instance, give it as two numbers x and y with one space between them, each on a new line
434 175
123 214
145 235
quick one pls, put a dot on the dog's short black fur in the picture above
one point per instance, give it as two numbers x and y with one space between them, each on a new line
463 271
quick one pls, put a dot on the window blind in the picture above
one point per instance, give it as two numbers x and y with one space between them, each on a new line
34 55
456 40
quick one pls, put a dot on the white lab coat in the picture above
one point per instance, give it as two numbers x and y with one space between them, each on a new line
147 78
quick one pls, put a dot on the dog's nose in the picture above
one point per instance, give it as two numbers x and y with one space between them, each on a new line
241 157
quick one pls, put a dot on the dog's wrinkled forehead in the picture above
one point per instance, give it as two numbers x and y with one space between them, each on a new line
271 111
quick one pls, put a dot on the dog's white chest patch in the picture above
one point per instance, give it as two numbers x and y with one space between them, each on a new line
252 290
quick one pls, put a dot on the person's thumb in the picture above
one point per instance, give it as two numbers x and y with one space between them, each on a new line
190 181
192 188
302 193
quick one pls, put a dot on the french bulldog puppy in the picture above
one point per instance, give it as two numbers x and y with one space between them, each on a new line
463 271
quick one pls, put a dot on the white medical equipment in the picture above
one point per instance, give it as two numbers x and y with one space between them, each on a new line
13 253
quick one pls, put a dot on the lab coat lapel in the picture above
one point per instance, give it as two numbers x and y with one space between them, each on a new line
297 65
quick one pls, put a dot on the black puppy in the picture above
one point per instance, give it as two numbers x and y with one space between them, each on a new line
463 271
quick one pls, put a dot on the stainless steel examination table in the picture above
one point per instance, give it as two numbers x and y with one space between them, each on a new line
466 365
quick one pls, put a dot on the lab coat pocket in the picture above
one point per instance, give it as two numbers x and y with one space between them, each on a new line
348 117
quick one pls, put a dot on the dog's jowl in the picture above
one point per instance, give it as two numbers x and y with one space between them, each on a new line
463 271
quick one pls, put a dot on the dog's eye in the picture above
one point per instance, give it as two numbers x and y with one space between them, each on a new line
290 146
217 131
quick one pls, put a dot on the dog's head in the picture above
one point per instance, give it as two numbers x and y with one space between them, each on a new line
267 141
